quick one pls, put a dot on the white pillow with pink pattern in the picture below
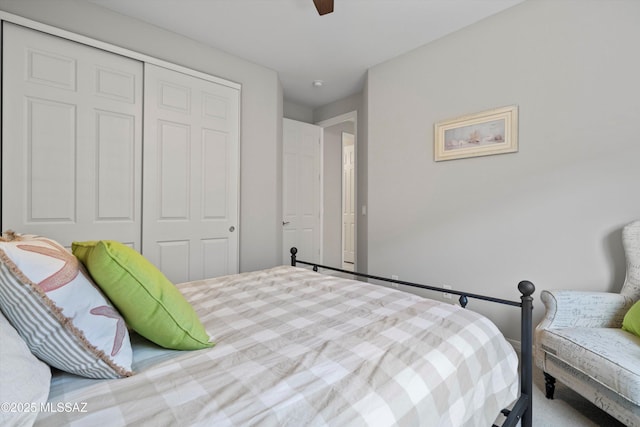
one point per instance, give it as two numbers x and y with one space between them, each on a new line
59 312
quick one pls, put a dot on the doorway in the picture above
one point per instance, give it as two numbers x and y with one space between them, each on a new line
339 191
348 201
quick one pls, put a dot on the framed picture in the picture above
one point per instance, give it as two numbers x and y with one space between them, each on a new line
482 134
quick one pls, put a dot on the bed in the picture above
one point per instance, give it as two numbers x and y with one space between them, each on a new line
294 347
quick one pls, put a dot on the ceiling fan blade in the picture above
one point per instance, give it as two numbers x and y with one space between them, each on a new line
324 6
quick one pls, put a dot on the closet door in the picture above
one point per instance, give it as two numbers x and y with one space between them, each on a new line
71 139
191 168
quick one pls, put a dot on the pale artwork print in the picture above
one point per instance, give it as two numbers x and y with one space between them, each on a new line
481 134
474 135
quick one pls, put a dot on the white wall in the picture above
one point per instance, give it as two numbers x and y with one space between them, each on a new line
298 112
261 122
337 108
552 212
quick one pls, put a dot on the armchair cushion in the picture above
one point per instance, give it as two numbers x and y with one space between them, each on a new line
607 355
631 321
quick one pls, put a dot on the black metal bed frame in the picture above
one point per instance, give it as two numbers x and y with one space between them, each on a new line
522 410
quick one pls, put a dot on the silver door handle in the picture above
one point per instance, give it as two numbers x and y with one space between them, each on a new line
285 222
232 229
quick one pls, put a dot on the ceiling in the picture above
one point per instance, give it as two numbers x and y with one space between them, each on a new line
290 37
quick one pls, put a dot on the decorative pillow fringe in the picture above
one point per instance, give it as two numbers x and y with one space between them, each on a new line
10 236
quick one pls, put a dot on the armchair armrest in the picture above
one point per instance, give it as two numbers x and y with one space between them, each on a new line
570 309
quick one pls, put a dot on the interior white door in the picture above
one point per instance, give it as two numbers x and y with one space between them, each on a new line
348 199
71 139
301 190
191 168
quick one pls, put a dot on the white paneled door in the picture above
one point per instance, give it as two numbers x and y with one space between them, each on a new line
301 190
71 139
191 168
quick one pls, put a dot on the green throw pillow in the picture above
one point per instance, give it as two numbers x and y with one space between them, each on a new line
631 321
150 304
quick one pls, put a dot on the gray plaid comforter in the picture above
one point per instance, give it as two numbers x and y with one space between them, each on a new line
297 348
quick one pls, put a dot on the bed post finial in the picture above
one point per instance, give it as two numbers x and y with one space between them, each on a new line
293 252
527 289
463 301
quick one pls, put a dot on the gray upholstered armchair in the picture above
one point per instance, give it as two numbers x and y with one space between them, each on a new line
580 341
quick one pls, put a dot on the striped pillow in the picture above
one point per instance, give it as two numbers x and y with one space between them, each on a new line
59 312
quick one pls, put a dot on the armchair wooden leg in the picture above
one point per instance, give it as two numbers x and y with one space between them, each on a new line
550 385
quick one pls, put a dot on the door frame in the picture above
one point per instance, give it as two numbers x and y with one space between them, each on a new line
351 116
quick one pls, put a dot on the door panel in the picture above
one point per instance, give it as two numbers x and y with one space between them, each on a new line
50 139
173 257
46 66
116 167
191 168
214 153
301 190
72 139
174 163
217 249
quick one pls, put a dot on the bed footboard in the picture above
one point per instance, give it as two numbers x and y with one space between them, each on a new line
522 409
